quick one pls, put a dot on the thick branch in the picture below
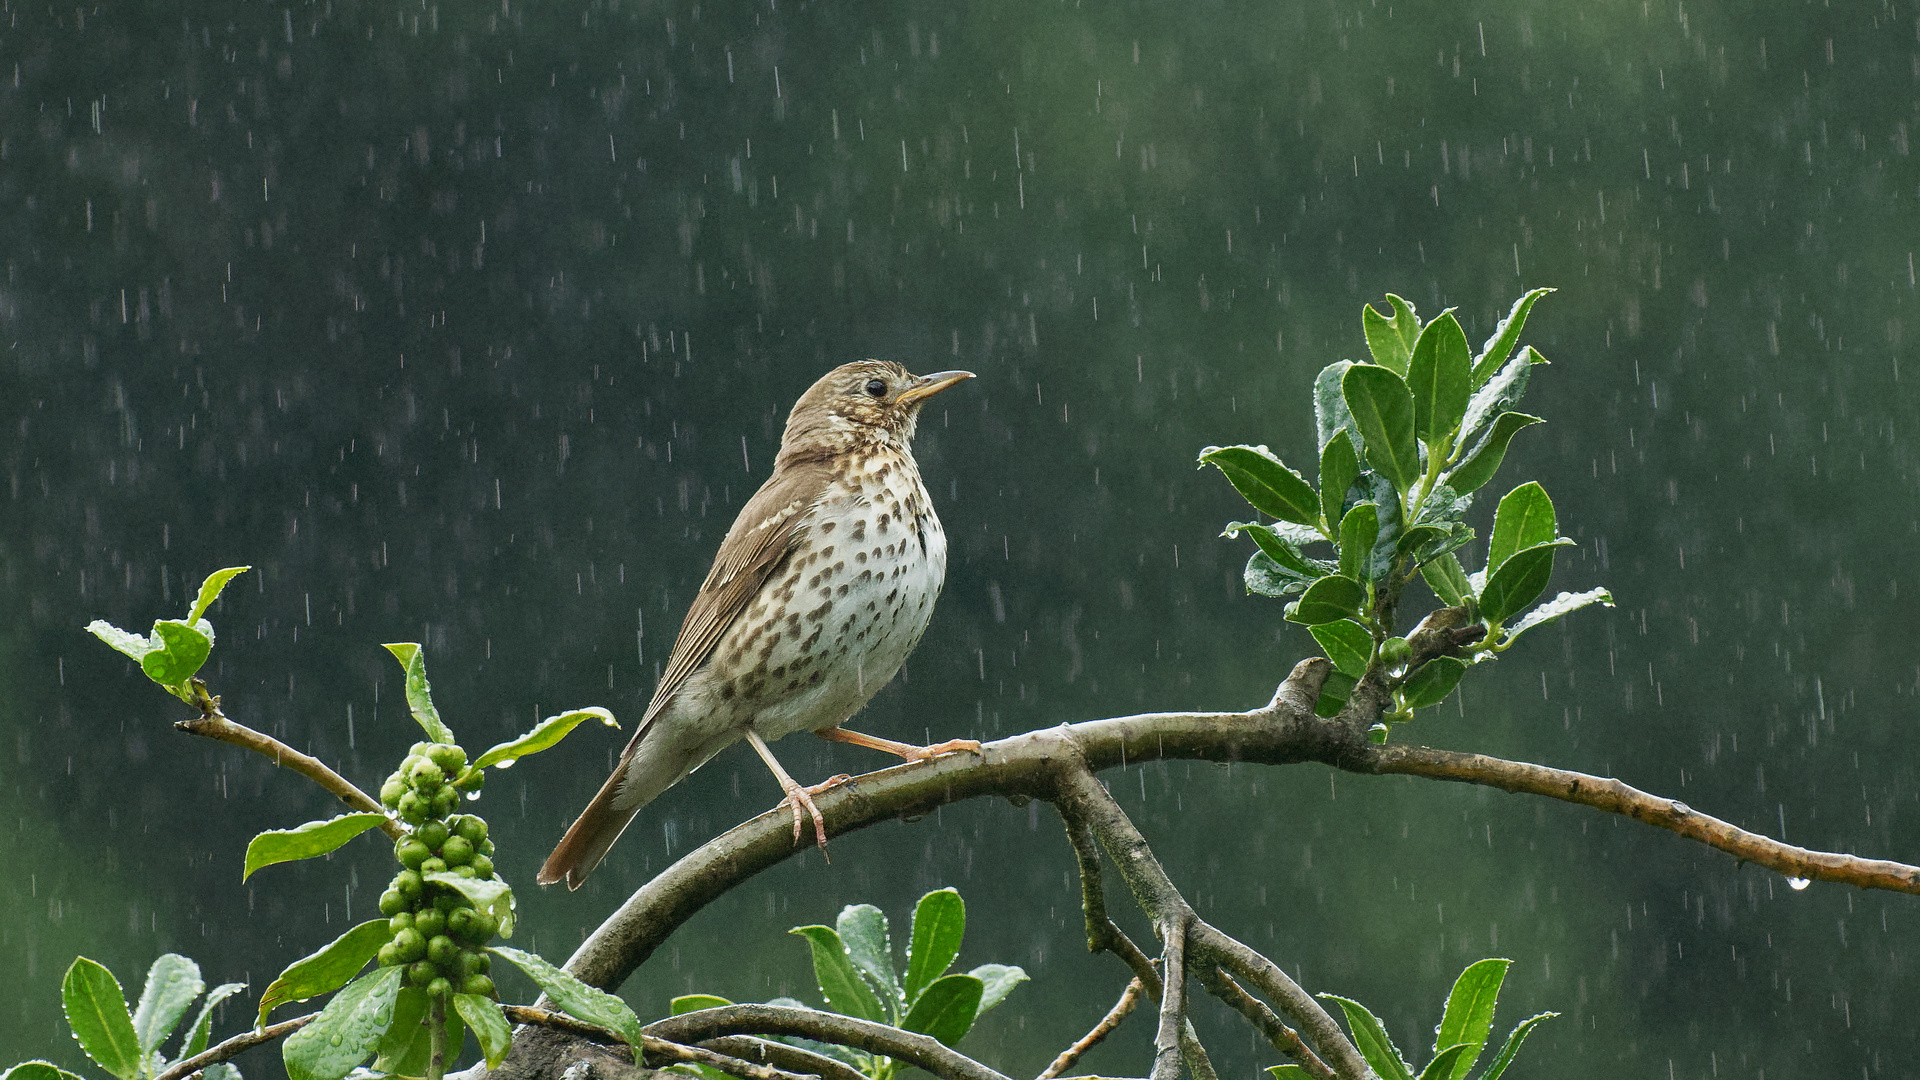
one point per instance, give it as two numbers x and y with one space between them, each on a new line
1611 795
1173 1000
924 1051
1128 999
227 1050
213 724
791 1058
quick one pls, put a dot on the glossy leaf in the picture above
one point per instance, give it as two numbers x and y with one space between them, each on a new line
946 1008
1382 410
1479 464
1333 695
1348 644
863 931
133 646
846 992
1332 597
582 1002
491 895
1556 607
1525 518
419 693
1405 319
1262 480
1512 1046
1358 531
1498 395
97 1013
37 1070
1433 682
210 590
306 841
1287 1072
939 922
1370 1038
1468 1017
1387 505
172 983
328 969
1264 577
488 1024
346 1032
1389 349
687 1003
1339 466
406 1046
1452 1062
1437 374
997 981
544 734
202 1028
1505 336
1330 413
1278 548
183 651
1518 581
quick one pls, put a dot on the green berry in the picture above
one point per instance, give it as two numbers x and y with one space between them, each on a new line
421 972
477 984
486 847
409 945
450 758
426 776
442 950
433 834
393 902
473 781
433 865
411 851
457 851
430 922
392 792
484 927
460 922
441 989
389 956
482 867
449 901
400 921
472 828
408 882
445 801
467 963
413 808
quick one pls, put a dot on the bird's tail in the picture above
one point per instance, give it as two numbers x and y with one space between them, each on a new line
652 766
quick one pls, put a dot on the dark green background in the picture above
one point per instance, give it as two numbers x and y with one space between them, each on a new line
474 324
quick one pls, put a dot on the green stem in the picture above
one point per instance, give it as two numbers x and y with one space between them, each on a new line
1437 459
437 1039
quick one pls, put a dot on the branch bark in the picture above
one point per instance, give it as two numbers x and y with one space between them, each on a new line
231 1048
1128 999
924 1051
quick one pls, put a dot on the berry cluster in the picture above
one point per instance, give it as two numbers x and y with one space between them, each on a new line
438 936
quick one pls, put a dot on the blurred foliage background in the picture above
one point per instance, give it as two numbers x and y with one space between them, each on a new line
474 324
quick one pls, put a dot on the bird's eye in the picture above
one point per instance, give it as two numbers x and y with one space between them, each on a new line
876 388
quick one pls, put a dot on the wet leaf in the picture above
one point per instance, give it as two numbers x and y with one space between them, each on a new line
419 693
1556 607
1281 550
946 1008
96 1010
1498 395
1505 337
1479 464
328 969
1371 1040
1512 1046
1262 480
846 992
1333 695
1358 532
582 1002
1264 577
491 895
488 1024
131 645
182 651
1468 1017
202 1029
1382 411
1348 644
1339 467
1437 374
863 931
1433 682
1332 597
210 590
1448 580
306 841
346 1032
172 983
1389 349
687 1003
37 1070
939 922
1524 518
998 981
544 734
1451 1062
1521 578
1330 405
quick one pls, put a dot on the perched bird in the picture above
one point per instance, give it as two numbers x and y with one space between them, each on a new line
819 591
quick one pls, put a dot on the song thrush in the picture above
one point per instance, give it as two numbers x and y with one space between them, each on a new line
819 591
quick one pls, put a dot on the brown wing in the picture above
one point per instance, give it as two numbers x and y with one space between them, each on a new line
762 537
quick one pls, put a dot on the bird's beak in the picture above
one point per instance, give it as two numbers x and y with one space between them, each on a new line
929 385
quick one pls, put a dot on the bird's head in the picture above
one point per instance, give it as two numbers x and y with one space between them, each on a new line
861 403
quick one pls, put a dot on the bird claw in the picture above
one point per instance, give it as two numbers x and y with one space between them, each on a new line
951 746
802 797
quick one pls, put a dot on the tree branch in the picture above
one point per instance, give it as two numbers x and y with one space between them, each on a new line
1128 999
231 1048
922 1050
791 1058
1284 1039
1614 797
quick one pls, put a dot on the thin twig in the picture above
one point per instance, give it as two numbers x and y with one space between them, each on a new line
559 1021
1284 1039
213 724
922 1050
231 1048
717 1056
1128 999
1603 793
791 1058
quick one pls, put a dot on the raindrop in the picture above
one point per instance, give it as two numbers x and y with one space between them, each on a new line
1798 883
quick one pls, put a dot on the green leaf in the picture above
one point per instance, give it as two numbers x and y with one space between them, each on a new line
346 1032
1505 337
419 694
1433 682
1405 319
1287 1072
327 970
1521 578
1264 577
846 992
491 895
999 981
306 841
946 1008
1278 548
182 651
1525 518
1333 695
488 1024
37 1070
405 1048
687 1003
1500 394
1451 1062
202 1029
1479 464
1339 466
1371 1040
172 983
1468 1017
1437 375
210 590
1262 480
1359 530
582 1002
1348 644
863 931
1556 607
1331 598
96 1010
1382 410
544 734
1330 405
130 645
1512 1046
1448 580
1389 349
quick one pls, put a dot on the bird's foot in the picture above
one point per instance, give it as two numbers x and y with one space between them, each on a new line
904 751
799 798
951 746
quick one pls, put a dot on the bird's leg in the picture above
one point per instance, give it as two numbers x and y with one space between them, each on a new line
797 797
904 750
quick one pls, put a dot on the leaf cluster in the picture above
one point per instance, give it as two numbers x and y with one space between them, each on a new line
1406 442
127 1042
